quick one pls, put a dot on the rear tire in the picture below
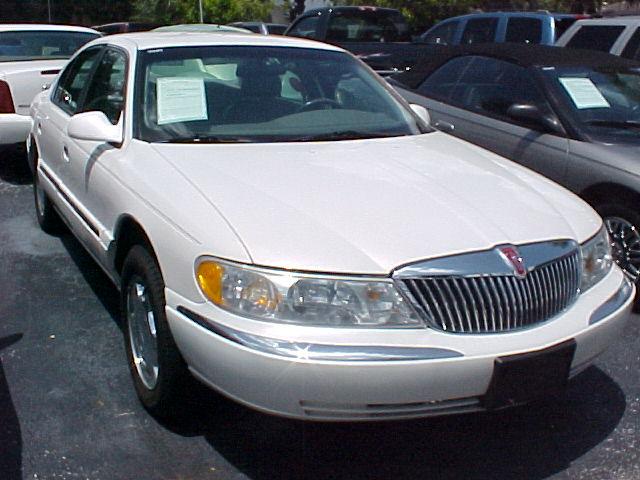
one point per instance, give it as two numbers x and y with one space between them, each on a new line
48 219
156 366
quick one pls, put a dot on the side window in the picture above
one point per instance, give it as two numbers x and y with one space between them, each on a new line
524 30
596 37
442 83
442 34
106 90
631 48
307 27
480 30
491 86
73 80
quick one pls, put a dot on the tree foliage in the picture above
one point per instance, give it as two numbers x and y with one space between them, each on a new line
424 13
214 11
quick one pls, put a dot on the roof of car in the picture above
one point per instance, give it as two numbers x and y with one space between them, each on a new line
152 40
347 8
534 14
20 27
626 20
521 54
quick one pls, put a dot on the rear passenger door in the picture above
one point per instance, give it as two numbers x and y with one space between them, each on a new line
475 93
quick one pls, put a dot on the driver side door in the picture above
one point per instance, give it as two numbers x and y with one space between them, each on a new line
86 174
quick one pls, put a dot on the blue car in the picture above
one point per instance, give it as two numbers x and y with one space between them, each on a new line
497 27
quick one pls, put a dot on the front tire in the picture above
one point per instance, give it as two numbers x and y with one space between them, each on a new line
156 366
623 224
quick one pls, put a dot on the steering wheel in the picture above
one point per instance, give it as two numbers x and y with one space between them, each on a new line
318 104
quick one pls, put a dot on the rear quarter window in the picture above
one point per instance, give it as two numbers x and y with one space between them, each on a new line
596 37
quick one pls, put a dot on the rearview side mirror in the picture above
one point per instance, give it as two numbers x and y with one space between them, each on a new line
94 126
422 112
531 114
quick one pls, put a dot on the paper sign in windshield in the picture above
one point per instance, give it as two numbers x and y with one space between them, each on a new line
584 93
181 100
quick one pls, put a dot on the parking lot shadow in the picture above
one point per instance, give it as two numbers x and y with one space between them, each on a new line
526 443
96 279
10 435
13 166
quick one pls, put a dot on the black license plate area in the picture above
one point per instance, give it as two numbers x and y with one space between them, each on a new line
529 376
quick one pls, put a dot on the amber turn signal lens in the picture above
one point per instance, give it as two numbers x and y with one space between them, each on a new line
209 275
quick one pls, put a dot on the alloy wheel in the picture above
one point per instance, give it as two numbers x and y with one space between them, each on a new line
625 245
142 333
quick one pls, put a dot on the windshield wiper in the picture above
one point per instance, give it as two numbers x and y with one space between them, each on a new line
344 135
614 123
207 139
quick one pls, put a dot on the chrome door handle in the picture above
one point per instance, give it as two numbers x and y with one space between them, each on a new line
65 153
444 126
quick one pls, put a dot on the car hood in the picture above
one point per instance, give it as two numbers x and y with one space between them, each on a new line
369 206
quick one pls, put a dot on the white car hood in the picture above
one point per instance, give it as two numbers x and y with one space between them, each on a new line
369 206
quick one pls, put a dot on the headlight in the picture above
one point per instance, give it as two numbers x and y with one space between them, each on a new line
596 259
286 297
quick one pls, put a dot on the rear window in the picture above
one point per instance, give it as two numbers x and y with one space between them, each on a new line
524 30
596 37
368 26
40 45
631 49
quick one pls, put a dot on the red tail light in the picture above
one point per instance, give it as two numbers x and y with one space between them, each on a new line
6 102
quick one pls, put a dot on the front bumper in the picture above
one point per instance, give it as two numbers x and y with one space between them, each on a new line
14 128
352 374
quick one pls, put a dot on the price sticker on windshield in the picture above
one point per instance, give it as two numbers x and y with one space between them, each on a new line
181 99
584 93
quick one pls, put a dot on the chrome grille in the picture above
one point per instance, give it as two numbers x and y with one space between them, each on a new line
497 303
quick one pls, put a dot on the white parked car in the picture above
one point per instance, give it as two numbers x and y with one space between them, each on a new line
30 58
280 223
616 35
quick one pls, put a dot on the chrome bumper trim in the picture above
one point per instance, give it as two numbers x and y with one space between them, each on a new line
614 302
314 351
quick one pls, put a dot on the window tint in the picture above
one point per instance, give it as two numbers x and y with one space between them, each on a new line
262 94
524 30
562 24
442 34
480 30
596 37
441 83
489 87
362 27
307 27
106 90
276 29
32 45
631 49
73 80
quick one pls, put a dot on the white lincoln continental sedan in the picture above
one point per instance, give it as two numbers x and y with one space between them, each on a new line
286 228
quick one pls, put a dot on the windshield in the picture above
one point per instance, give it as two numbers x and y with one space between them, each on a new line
600 101
263 94
41 45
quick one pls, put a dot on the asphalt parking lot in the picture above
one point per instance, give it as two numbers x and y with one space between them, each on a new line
68 409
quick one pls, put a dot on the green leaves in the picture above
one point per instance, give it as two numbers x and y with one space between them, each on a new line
215 11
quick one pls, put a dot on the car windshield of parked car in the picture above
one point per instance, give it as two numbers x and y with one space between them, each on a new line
601 101
263 94
41 45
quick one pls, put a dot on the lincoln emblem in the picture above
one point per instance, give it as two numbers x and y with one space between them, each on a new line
511 255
